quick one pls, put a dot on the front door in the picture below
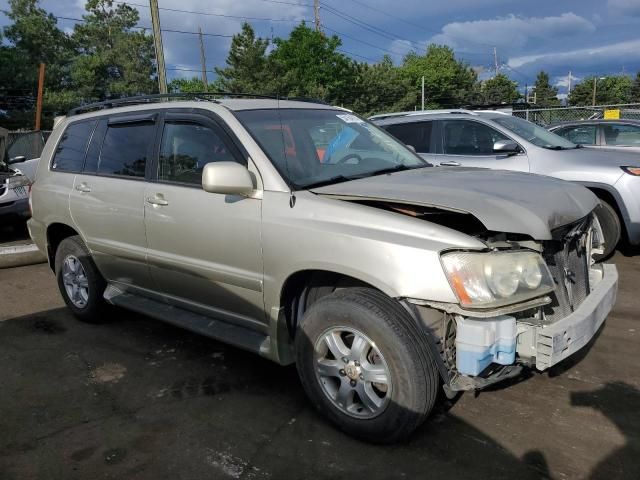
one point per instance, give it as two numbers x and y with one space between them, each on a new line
204 248
469 143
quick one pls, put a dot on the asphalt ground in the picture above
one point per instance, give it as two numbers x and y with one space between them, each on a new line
138 399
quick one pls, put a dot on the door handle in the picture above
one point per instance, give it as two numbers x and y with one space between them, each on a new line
83 187
450 164
157 200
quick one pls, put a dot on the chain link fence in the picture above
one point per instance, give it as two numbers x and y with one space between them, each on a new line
549 116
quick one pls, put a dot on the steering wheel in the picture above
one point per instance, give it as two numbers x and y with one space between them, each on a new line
349 157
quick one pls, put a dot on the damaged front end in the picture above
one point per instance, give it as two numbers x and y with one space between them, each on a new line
477 347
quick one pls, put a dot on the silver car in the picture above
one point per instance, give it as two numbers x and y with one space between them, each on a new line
495 140
307 235
623 134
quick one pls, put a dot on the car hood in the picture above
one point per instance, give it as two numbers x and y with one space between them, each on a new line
617 157
503 201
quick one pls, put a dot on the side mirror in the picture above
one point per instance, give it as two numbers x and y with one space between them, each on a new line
229 178
18 159
506 146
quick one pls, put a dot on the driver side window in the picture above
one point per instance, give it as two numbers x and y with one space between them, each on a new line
186 148
464 137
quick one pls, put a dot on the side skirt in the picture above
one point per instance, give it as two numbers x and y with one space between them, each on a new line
235 335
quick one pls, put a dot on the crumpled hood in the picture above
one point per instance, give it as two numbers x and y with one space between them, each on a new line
503 201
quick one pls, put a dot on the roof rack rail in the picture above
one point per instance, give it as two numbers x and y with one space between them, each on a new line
423 112
197 96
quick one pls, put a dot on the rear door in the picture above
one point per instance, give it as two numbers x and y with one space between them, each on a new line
422 136
620 136
469 143
204 248
107 201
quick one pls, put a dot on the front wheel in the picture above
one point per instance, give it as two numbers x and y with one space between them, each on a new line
365 365
611 229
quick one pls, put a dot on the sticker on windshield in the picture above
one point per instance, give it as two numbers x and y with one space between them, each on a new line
347 118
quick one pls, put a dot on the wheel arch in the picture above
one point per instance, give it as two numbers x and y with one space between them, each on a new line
610 195
303 288
56 233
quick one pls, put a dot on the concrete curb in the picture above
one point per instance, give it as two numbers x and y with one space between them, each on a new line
20 255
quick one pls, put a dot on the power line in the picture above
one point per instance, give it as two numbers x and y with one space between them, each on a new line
362 41
393 16
209 14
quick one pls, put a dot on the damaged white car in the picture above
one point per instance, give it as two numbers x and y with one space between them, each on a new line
305 234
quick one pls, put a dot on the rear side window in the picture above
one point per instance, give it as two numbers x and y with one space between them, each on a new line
125 149
69 155
186 148
581 134
416 134
622 134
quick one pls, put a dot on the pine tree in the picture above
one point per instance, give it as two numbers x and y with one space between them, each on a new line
546 95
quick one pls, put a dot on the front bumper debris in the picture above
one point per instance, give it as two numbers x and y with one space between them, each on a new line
561 339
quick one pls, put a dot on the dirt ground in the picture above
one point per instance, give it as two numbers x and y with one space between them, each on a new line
136 398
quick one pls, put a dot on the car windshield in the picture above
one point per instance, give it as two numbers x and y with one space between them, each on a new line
312 147
533 133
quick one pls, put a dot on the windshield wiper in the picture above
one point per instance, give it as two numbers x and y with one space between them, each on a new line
397 168
554 147
328 181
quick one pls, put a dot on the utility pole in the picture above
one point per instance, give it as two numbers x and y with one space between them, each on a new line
157 41
39 100
316 13
595 86
203 61
423 92
495 58
526 93
570 78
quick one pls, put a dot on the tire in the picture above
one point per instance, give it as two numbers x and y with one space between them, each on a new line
90 307
394 345
611 229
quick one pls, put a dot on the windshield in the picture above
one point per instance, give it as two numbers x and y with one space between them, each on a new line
533 133
319 147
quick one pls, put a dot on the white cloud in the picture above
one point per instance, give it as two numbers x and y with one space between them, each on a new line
513 31
564 80
617 53
629 8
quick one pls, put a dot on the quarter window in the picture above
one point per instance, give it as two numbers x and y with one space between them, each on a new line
416 134
72 146
463 137
186 149
125 149
581 135
621 134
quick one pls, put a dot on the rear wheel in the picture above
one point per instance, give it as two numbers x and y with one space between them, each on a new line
611 229
365 365
79 280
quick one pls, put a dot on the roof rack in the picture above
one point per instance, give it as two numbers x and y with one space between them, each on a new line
196 96
423 112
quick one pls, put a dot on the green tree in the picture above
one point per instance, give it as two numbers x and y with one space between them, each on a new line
634 94
308 64
112 58
34 38
381 88
188 85
448 81
500 89
246 70
546 95
609 90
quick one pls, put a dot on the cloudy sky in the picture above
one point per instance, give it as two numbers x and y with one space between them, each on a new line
585 37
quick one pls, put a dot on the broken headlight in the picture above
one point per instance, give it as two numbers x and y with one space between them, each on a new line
493 279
